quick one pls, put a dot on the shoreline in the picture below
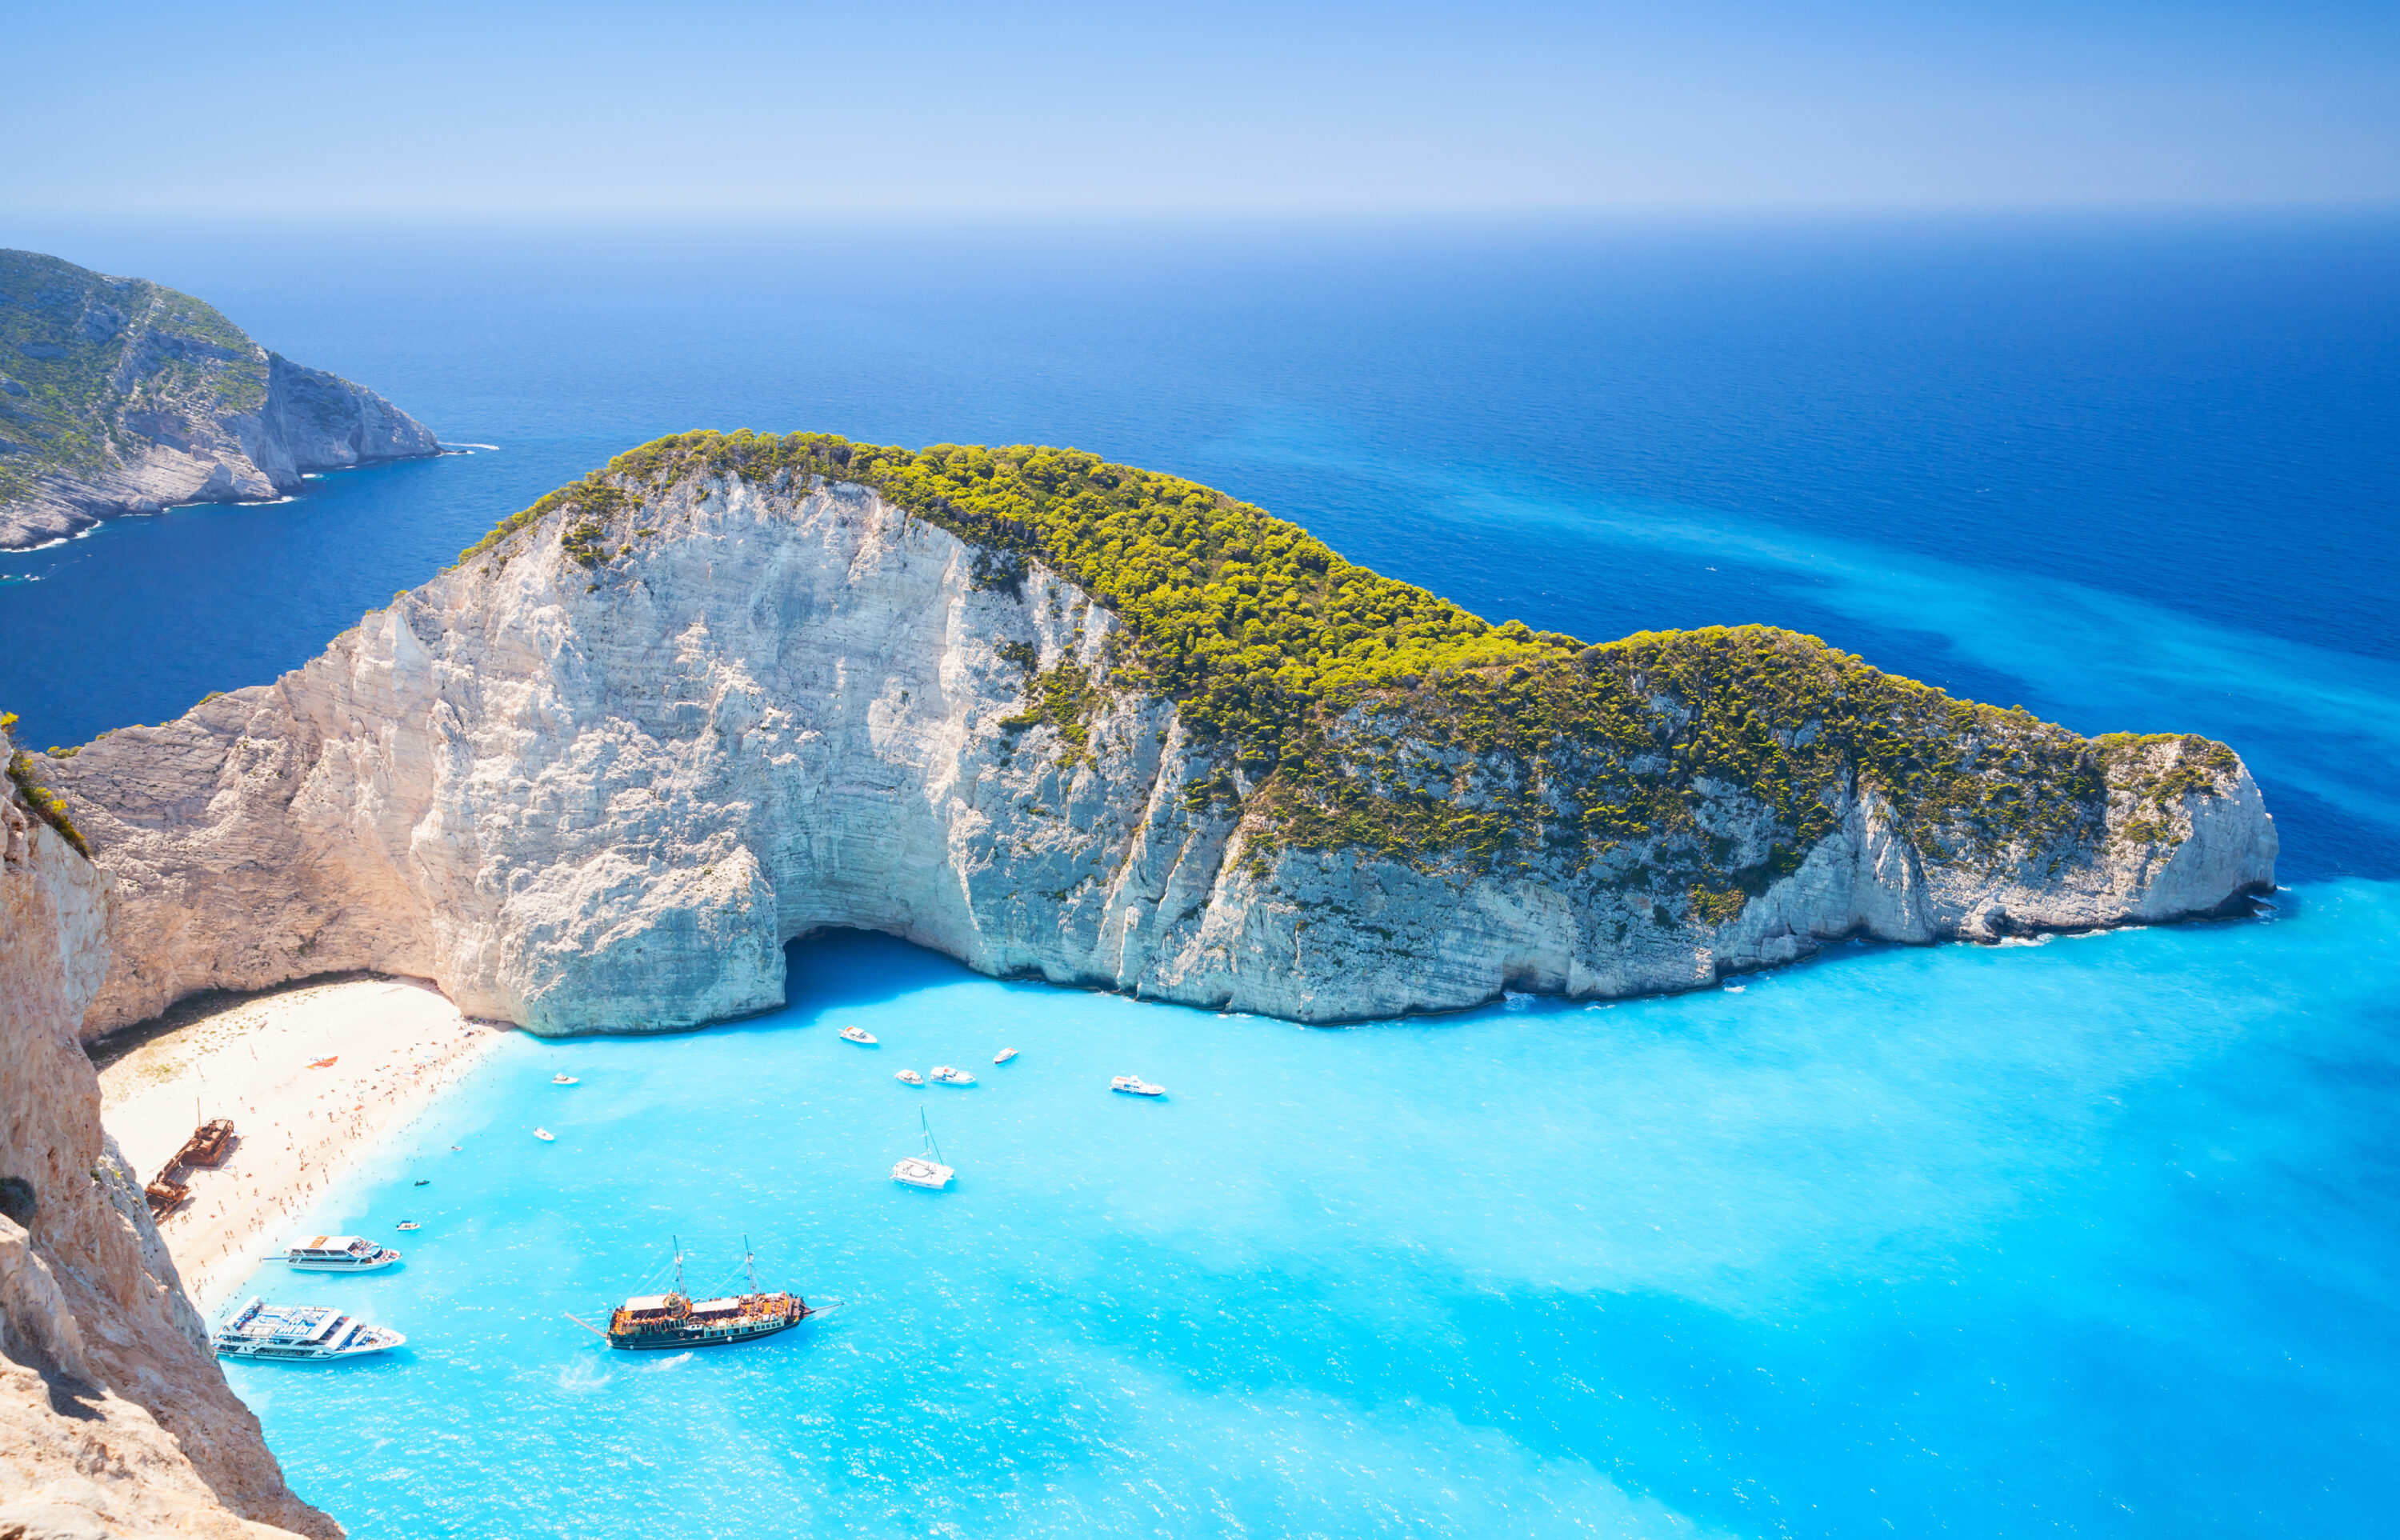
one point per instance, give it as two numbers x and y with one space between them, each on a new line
398 1045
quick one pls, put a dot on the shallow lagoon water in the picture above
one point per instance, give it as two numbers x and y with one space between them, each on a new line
2093 1237
2002 1240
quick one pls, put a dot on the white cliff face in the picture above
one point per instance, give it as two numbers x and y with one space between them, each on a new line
601 798
115 1419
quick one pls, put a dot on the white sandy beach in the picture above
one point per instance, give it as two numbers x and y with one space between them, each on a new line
397 1044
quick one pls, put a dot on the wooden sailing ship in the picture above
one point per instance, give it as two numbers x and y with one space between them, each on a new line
675 1320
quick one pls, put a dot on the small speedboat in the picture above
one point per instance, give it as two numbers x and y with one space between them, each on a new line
1134 1085
909 1077
1004 1055
951 1074
427 1182
858 1034
565 1080
408 1225
544 1135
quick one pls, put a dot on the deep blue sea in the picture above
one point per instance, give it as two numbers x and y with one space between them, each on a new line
2098 1236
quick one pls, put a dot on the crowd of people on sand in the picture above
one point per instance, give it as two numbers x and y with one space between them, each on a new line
318 1143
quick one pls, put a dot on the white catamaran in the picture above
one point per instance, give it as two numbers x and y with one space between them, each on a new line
299 1331
926 1171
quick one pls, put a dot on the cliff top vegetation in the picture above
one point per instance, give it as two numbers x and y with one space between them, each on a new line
78 350
1351 710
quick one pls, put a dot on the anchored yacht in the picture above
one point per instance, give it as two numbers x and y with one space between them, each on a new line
947 1074
301 1332
858 1034
1134 1085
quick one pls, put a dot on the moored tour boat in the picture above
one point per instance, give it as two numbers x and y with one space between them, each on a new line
339 1254
947 1074
299 1331
858 1034
1134 1085
910 1077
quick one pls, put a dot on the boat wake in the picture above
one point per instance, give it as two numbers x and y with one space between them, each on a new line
670 1363
581 1377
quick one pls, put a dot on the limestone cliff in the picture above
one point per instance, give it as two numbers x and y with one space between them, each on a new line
113 1417
727 692
120 396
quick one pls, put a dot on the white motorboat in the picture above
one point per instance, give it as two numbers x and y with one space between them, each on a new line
1004 1055
909 1077
858 1034
951 1074
339 1254
926 1170
544 1135
1134 1085
299 1331
564 1079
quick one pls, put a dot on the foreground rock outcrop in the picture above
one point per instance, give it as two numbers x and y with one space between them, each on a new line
118 396
113 1417
594 778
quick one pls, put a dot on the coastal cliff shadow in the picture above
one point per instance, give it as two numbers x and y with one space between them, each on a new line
107 1048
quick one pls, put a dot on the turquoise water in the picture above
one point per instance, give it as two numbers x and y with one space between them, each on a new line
1937 1239
2093 1237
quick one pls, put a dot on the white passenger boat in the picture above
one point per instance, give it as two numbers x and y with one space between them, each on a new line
910 1076
299 1331
1004 1055
340 1254
951 1074
545 1136
1134 1085
926 1170
858 1034
562 1078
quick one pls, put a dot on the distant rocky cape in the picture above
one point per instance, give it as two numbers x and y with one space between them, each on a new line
118 396
732 691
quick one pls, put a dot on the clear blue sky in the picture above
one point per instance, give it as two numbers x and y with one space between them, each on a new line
601 107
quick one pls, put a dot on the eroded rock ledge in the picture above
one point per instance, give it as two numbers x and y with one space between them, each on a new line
115 1419
737 690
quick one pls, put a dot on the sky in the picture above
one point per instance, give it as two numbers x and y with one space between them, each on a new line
719 105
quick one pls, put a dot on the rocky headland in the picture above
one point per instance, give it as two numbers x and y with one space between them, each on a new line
1067 719
120 396
113 1417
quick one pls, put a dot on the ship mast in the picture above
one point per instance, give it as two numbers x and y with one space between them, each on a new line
678 1251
